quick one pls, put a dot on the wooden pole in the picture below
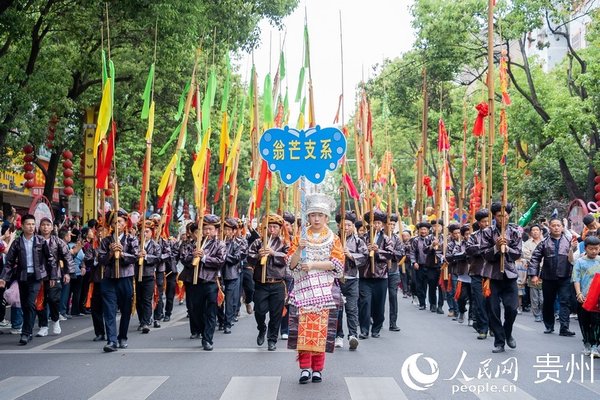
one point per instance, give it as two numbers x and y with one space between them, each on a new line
418 210
490 87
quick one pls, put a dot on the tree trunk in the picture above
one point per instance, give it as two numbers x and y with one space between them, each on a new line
572 188
51 174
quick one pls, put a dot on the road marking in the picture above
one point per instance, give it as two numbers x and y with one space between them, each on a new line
495 389
363 388
17 386
130 388
252 387
593 386
523 327
192 349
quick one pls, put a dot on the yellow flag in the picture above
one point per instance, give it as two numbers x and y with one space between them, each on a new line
198 166
232 154
224 138
103 116
150 123
301 122
164 181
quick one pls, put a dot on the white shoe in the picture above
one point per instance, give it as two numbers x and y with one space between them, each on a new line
15 332
595 353
61 317
56 328
587 349
353 341
284 336
339 342
42 332
4 324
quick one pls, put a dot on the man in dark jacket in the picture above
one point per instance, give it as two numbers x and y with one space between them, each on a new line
476 263
556 252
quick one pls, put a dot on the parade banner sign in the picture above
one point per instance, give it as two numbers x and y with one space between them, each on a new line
297 153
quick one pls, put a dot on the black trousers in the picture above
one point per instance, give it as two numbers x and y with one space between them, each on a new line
227 311
465 296
269 298
85 287
421 284
551 289
393 281
28 291
52 300
144 291
434 292
589 323
96 306
160 304
117 293
504 291
371 304
350 291
247 285
479 303
75 292
202 308
170 292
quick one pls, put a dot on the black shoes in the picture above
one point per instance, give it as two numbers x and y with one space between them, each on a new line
498 349
439 310
221 327
167 318
227 330
549 330
566 332
110 347
374 335
316 377
145 329
207 346
25 339
123 344
511 342
422 307
156 324
99 338
304 376
195 336
482 336
363 336
432 308
394 329
272 346
260 339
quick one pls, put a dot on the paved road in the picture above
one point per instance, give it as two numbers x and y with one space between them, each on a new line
166 364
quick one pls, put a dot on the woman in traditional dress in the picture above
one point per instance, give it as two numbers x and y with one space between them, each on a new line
316 259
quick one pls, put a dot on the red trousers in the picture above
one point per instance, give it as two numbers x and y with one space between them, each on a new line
308 359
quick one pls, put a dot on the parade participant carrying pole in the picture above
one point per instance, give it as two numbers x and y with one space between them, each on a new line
504 133
461 197
366 137
147 113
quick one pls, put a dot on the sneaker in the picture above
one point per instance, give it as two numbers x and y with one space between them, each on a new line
595 353
305 376
284 336
42 332
353 341
316 376
56 328
4 324
249 308
15 331
587 349
339 342
62 317
519 311
461 318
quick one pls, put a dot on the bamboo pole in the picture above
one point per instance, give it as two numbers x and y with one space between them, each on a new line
490 87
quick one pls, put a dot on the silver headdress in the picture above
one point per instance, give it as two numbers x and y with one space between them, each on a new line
319 202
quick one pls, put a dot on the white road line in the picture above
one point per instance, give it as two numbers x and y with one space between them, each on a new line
191 349
252 387
17 386
130 388
523 327
495 389
363 388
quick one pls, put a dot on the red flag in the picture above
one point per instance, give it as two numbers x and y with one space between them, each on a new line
206 170
262 180
221 180
104 162
352 191
443 140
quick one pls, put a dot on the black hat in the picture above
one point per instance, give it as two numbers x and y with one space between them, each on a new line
393 217
378 215
453 227
497 206
464 229
481 214
289 217
358 224
588 219
211 219
231 223
438 222
122 213
350 216
423 225
192 227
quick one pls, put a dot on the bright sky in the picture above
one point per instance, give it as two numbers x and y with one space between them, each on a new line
372 30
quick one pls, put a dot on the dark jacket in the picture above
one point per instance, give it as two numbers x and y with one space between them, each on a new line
212 262
475 253
15 263
90 260
171 262
61 253
556 264
360 254
492 256
236 252
397 254
381 258
456 255
152 259
423 253
276 264
165 254
127 261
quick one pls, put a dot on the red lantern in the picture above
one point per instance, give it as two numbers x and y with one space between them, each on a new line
27 149
67 154
597 179
49 145
28 167
597 196
28 184
67 164
28 157
68 191
68 182
108 192
68 173
29 175
51 136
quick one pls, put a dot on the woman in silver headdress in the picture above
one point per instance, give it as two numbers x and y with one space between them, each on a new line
315 259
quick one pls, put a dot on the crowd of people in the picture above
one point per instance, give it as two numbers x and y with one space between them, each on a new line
292 277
